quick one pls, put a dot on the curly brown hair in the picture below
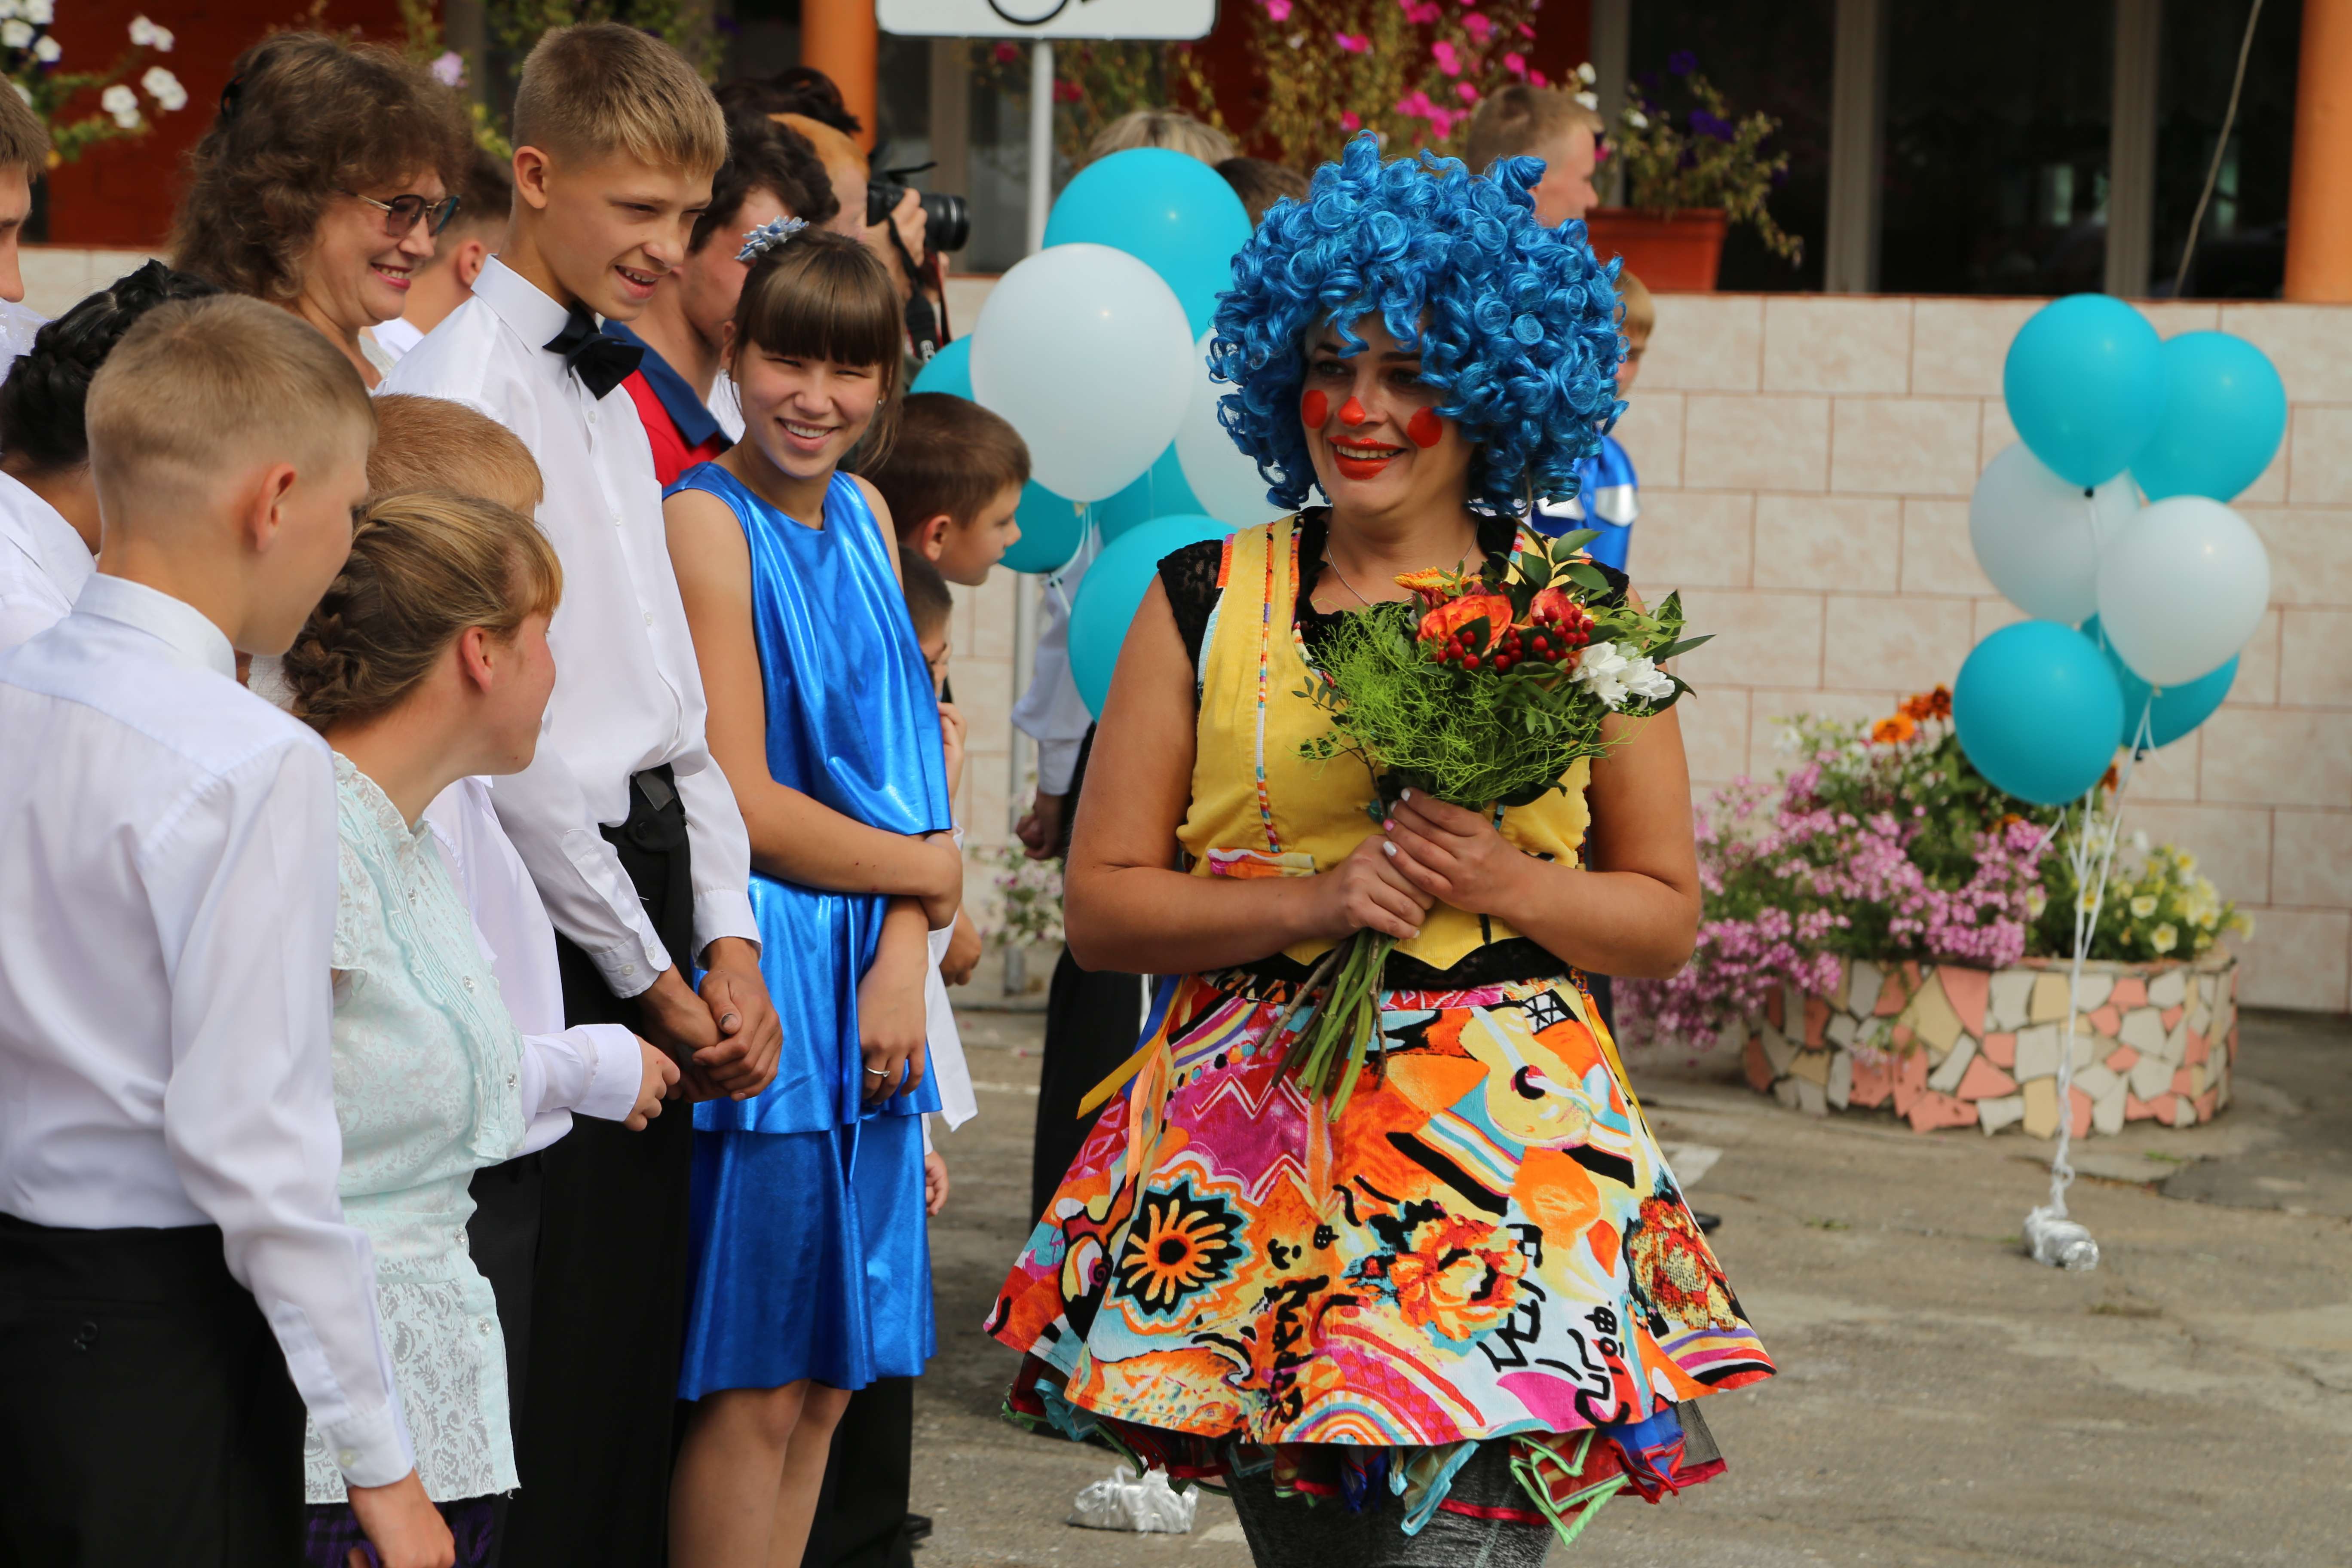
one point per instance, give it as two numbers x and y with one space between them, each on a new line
305 118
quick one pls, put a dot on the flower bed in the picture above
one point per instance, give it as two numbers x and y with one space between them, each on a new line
1945 1045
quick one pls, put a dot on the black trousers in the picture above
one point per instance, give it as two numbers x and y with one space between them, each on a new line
861 1513
594 1437
1092 1019
502 1237
146 1413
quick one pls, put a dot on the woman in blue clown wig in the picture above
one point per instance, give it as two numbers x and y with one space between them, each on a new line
1459 1318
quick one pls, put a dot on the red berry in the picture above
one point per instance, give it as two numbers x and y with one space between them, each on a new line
1470 661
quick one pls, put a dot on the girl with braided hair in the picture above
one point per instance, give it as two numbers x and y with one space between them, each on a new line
48 507
425 663
1474 1305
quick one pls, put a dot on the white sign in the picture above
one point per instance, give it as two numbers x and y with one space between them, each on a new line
1048 18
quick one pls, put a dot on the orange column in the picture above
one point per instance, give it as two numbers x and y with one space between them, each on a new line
2319 202
838 37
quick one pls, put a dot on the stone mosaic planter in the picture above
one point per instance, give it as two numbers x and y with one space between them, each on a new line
1947 1046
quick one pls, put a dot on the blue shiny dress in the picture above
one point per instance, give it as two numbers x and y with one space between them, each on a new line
810 1251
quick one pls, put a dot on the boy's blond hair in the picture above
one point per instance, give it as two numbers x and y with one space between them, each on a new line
434 443
600 88
1640 317
200 387
1170 127
1516 120
23 139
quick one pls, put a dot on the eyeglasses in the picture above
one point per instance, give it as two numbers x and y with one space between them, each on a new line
402 213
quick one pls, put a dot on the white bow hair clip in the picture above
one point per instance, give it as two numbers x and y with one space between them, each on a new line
758 242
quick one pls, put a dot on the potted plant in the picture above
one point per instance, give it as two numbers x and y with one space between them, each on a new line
1887 928
30 56
1691 171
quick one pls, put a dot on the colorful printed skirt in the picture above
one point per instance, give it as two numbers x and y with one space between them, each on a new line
1486 1246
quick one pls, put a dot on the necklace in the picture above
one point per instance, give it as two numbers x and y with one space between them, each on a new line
1332 562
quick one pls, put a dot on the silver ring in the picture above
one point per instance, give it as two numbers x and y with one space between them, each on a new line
878 1072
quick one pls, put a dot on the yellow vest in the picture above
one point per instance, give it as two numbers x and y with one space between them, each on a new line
1259 809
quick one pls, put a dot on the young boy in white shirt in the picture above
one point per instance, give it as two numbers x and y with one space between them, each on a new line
631 833
168 1142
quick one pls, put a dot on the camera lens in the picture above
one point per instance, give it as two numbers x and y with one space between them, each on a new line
947 219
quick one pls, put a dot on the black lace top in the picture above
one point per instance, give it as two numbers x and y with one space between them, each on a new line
1190 577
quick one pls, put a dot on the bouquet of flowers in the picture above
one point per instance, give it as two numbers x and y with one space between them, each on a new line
1481 690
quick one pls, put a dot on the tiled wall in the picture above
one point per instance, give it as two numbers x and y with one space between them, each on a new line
1806 464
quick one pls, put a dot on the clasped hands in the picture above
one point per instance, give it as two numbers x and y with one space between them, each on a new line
725 1038
1426 852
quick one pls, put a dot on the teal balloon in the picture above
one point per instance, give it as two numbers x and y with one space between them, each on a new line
2224 416
950 371
2039 711
1160 492
2175 711
1113 590
1051 528
1173 212
2085 383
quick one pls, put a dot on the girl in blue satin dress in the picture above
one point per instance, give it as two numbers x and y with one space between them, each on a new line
812 1267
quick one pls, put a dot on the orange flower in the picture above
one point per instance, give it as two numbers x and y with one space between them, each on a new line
1451 616
1550 606
1431 585
2107 779
1894 730
1923 706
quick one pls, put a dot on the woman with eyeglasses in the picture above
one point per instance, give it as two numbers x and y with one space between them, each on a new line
322 184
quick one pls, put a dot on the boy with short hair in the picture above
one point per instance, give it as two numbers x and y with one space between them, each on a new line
1608 499
769 173
631 833
1523 120
446 281
23 158
168 1142
954 481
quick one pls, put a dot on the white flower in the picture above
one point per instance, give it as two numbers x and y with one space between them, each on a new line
16 33
117 98
1637 119
1590 100
1586 74
2142 906
449 70
46 49
2164 939
7 8
147 34
2139 843
40 12
1612 672
164 88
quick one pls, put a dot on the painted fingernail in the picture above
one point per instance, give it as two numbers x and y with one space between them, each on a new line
1405 794
1387 847
1388 824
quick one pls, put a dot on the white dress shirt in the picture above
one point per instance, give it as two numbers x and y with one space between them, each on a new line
167 914
18 323
1051 712
628 693
394 337
43 564
592 1068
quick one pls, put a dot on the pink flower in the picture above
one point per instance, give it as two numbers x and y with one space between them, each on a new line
1448 58
1416 105
1467 93
1441 123
1352 121
1525 31
1538 77
1515 63
1007 53
1477 26
1420 13
1277 10
1353 43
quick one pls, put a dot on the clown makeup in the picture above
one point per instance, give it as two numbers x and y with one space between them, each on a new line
1371 424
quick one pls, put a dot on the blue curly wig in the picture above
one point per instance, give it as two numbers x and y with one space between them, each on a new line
1515 323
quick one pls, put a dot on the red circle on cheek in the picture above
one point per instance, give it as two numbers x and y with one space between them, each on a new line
1314 409
1425 428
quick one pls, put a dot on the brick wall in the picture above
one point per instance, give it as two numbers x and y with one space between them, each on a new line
1806 464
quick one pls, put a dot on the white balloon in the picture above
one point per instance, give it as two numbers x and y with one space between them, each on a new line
2182 588
2038 537
1087 351
1224 481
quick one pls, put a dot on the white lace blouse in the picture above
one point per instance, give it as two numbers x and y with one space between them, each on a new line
428 1089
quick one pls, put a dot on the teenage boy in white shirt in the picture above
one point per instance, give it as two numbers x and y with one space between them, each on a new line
168 1142
629 829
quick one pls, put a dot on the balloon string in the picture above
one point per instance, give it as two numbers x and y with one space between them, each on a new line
2092 847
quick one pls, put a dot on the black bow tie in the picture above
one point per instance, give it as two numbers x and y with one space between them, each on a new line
601 363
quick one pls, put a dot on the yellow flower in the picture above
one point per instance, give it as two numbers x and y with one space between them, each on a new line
2142 906
2164 939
